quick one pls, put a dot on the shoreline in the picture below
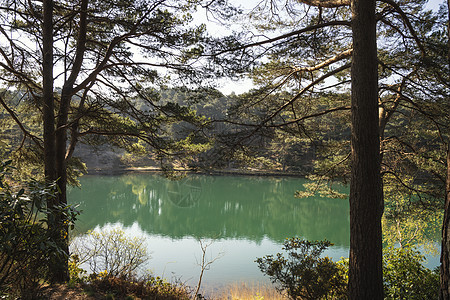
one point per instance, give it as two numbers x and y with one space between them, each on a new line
234 172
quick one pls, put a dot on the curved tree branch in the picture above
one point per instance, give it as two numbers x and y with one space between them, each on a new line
20 124
304 90
408 24
284 36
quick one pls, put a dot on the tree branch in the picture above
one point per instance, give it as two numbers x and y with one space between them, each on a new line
19 123
338 57
304 90
407 23
326 3
284 36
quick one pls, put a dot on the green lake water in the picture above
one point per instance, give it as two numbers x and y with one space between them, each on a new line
244 217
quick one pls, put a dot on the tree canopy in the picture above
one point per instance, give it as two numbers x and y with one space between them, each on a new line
83 63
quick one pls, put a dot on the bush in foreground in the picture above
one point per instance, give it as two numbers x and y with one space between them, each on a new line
26 242
405 277
110 251
306 275
114 259
130 288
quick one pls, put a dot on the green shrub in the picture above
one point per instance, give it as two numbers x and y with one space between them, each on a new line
26 243
304 274
405 277
76 273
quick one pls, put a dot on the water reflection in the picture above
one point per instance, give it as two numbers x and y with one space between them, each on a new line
221 207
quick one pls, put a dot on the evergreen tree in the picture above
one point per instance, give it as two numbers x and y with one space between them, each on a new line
82 63
319 45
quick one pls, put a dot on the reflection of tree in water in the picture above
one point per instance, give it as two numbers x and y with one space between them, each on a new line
250 208
185 192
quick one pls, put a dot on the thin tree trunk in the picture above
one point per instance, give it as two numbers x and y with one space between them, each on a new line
366 198
60 265
66 97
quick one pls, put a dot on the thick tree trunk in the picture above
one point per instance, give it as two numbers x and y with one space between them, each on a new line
366 198
61 156
444 293
58 264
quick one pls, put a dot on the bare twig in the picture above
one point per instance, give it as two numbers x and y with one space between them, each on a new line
205 264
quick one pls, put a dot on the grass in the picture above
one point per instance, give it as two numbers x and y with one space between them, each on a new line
120 290
244 291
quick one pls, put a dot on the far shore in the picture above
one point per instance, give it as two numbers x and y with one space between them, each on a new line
228 171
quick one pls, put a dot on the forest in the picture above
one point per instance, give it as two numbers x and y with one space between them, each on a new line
343 92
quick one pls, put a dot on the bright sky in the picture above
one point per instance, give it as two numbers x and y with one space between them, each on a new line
228 86
434 4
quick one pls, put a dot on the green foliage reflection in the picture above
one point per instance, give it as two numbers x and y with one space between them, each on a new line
241 207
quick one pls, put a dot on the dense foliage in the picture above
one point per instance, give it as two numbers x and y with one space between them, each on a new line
25 237
304 274
405 277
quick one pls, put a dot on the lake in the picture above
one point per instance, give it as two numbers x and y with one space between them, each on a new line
242 217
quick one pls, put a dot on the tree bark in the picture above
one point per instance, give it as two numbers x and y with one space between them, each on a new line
366 196
47 92
58 264
444 293
62 274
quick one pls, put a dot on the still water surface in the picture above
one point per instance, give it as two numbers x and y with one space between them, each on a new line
243 217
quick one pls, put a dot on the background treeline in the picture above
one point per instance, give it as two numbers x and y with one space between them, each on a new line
228 139
317 147
224 133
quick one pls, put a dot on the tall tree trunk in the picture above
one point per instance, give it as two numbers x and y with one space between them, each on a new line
47 92
61 171
66 97
61 156
58 263
366 196
444 293
58 271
